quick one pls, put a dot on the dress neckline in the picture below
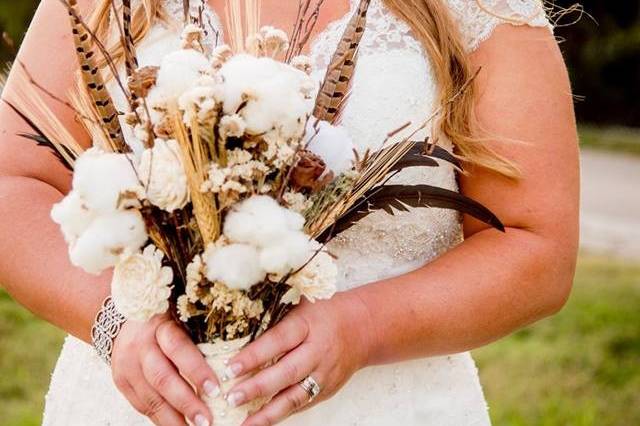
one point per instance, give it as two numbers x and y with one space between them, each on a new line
331 25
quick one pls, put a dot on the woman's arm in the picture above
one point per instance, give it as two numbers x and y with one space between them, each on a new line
494 283
488 286
35 268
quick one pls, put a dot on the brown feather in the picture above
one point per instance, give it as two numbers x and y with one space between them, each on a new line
390 198
93 78
342 67
131 60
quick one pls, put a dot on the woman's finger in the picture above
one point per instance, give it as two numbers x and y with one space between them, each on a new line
147 401
282 406
290 370
164 378
282 338
191 364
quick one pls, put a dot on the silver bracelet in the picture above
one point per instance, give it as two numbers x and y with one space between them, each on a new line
106 328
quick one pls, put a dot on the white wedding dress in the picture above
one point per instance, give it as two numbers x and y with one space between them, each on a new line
394 83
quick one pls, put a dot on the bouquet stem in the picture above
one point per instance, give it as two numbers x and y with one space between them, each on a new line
217 355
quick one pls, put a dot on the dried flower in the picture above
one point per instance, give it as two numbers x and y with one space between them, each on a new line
232 126
307 170
317 281
296 201
142 80
186 309
303 63
141 286
163 175
275 40
192 36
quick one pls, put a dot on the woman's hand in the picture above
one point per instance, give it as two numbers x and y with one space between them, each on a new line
326 340
156 366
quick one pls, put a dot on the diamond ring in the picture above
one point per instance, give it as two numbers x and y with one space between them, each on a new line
311 387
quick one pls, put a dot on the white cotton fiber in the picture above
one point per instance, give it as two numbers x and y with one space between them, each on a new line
277 96
179 72
73 216
286 254
108 236
261 221
236 265
101 178
331 143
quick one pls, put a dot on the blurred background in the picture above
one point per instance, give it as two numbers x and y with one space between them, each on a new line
581 367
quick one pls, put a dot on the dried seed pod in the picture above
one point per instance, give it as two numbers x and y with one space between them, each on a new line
142 80
307 171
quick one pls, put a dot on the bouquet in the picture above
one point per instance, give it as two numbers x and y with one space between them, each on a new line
215 196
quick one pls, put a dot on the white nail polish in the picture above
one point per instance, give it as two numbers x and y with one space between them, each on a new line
201 420
233 371
235 399
211 389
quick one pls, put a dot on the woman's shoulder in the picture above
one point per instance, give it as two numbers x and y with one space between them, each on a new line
477 19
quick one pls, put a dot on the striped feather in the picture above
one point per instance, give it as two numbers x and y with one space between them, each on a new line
335 88
92 78
131 60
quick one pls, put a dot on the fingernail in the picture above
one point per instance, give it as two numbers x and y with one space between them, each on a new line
233 370
235 399
211 389
201 420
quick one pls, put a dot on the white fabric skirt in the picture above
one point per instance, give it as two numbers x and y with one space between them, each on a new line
441 391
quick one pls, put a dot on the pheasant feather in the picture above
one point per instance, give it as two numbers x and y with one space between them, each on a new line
335 87
131 60
93 79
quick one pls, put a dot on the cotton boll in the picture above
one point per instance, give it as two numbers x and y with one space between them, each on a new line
105 180
108 236
73 216
287 254
260 221
236 265
179 71
332 144
276 95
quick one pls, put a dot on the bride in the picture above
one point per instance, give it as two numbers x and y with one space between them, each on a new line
419 288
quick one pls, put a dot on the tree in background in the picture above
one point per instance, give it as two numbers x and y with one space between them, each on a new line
603 56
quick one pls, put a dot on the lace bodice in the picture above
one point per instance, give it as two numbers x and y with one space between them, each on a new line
393 84
476 20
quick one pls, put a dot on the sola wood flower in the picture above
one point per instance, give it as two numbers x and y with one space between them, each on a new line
141 286
163 175
316 281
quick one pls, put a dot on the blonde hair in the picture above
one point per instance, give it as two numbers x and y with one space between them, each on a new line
433 26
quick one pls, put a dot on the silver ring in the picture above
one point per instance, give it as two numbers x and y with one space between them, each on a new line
311 387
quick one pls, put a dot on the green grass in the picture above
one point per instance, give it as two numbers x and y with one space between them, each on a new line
28 350
579 368
617 139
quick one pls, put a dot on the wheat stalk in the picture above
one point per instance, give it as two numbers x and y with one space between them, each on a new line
195 164
29 102
243 18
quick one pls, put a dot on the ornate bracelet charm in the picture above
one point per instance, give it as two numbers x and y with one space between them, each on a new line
106 328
